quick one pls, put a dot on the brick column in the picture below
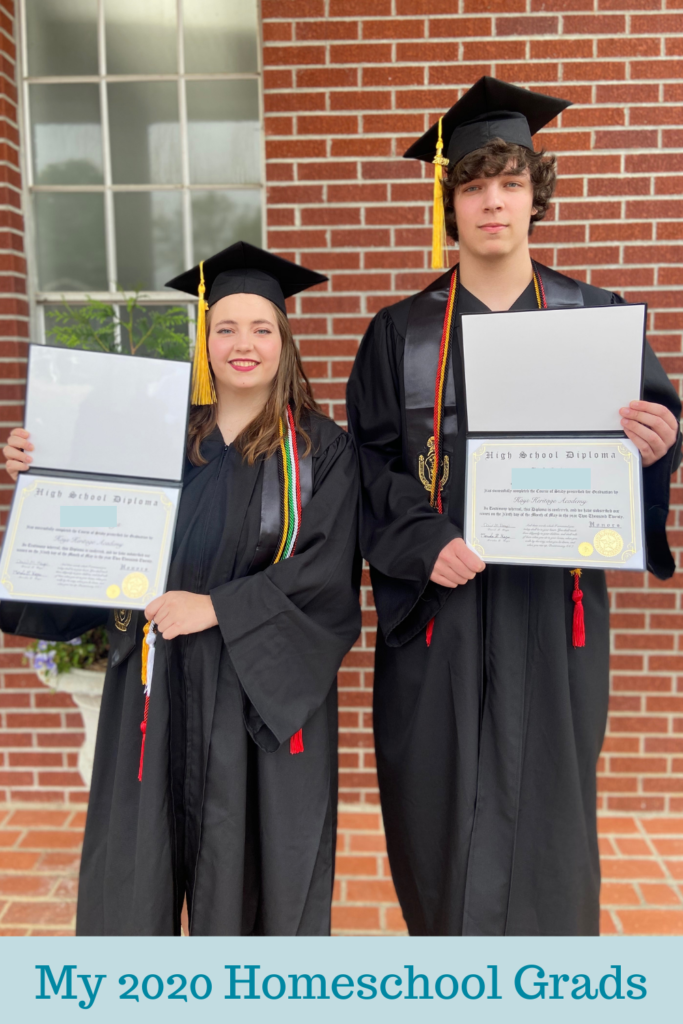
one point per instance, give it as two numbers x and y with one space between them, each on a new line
41 731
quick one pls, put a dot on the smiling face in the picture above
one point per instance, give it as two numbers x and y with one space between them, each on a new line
493 214
244 343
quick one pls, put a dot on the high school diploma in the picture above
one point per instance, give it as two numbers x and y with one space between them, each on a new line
92 520
85 542
568 501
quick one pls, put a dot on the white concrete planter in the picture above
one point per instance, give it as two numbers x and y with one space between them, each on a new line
86 689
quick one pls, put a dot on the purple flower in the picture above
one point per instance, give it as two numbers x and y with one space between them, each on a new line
45 662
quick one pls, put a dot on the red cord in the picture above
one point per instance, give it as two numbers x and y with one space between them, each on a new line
143 730
578 622
429 631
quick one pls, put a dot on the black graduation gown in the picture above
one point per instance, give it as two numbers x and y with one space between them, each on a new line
487 741
225 814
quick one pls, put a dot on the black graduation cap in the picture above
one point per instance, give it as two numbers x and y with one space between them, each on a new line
246 268
490 109
241 268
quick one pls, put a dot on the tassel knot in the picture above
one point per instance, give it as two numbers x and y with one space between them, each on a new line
296 743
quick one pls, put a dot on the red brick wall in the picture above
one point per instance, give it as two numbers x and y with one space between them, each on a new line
40 732
348 84
345 91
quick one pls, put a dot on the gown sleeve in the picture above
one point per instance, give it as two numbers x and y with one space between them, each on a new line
401 534
52 622
288 627
657 478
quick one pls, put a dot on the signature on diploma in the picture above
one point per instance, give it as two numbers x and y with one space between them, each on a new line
30 569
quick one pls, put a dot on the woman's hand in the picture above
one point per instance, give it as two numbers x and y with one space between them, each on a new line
178 612
456 564
16 452
652 428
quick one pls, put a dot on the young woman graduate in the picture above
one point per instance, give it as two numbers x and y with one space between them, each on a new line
488 719
228 796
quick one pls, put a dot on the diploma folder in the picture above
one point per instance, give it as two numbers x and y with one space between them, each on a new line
551 478
92 521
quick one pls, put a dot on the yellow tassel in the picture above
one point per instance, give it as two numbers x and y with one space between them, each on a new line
439 222
203 391
145 653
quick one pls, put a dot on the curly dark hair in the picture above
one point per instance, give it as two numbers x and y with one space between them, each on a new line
492 159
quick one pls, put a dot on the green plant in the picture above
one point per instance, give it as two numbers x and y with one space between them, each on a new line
128 327
52 658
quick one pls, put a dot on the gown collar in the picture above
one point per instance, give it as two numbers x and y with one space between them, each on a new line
469 303
213 444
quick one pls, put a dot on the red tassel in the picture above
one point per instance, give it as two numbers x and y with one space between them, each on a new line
296 743
578 622
429 631
143 730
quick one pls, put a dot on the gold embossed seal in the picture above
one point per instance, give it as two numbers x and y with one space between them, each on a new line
135 585
608 543
122 619
426 467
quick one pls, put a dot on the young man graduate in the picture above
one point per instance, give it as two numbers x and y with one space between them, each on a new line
488 720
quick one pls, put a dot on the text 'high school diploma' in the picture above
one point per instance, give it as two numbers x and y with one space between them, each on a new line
567 501
83 542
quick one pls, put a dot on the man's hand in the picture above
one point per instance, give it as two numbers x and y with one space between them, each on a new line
651 427
456 564
179 612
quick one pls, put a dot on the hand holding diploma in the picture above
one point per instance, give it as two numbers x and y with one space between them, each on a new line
179 612
456 564
16 452
651 427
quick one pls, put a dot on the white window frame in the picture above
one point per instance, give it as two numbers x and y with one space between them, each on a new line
39 299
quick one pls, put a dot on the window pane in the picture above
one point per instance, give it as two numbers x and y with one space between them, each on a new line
70 241
61 37
220 218
66 134
159 324
220 35
149 238
73 322
145 133
141 36
224 133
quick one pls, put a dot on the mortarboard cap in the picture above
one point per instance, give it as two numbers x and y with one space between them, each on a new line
246 268
490 109
241 268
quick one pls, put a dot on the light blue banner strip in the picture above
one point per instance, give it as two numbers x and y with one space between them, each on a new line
611 980
87 515
549 479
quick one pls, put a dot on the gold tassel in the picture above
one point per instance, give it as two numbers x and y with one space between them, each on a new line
439 223
203 391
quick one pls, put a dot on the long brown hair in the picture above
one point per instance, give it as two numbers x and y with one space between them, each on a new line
261 437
